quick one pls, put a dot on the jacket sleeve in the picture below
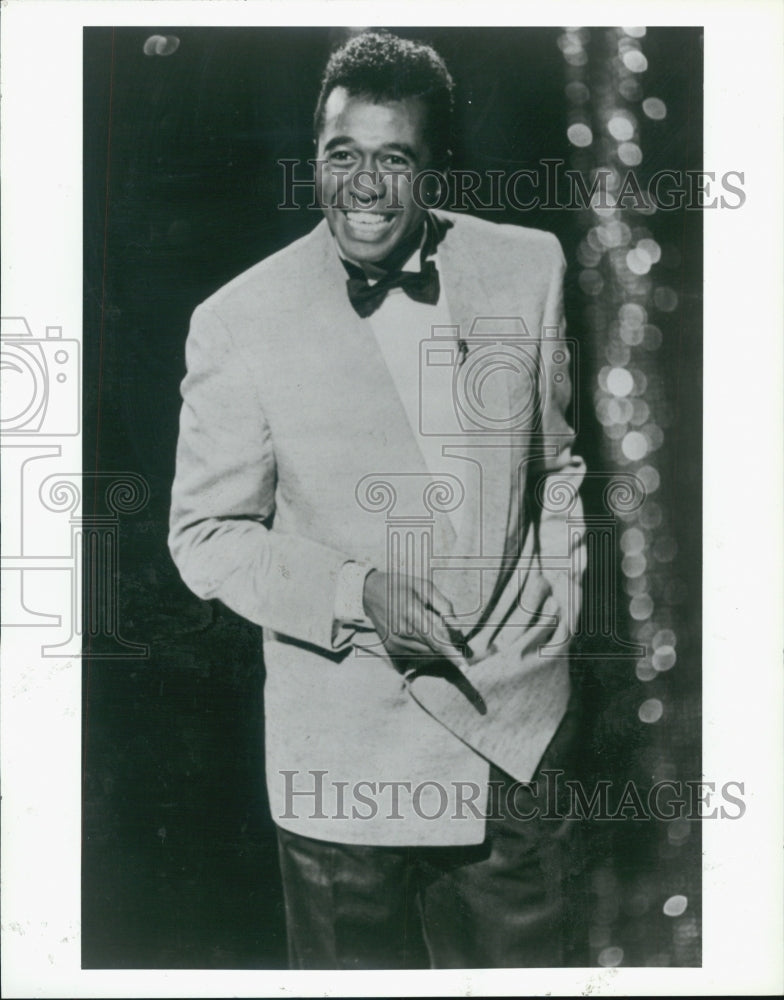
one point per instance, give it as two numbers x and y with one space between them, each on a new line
558 473
222 535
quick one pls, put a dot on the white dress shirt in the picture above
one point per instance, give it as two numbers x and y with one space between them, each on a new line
399 326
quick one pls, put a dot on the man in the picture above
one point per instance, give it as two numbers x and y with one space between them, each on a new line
374 465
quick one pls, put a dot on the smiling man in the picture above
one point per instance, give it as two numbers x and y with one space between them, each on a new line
382 124
370 155
372 466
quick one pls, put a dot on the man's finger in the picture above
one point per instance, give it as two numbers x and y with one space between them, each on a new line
443 642
432 597
443 607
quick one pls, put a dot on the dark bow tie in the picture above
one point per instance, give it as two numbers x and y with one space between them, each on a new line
421 286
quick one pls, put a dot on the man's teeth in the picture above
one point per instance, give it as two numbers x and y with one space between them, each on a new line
370 219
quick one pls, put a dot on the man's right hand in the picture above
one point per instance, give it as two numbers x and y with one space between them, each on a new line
408 614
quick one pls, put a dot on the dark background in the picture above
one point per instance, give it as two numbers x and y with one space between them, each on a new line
181 186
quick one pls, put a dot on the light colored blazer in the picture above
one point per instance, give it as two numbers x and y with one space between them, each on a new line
295 455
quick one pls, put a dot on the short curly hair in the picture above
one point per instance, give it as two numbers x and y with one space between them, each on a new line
383 67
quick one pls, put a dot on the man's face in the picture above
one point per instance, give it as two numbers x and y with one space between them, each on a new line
370 154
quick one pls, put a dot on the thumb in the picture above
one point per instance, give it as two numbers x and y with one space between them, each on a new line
434 599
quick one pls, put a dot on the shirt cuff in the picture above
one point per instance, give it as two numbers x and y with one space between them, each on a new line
349 607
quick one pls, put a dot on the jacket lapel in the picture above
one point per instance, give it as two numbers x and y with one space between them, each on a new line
391 449
492 457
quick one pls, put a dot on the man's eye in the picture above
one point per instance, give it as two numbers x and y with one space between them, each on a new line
340 156
395 162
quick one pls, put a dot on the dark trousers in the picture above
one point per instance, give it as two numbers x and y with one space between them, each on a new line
516 900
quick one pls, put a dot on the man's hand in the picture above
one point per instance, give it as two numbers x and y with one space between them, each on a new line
408 613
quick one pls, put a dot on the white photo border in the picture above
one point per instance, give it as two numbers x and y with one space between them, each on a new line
41 167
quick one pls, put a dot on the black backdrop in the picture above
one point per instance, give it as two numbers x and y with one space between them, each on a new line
180 193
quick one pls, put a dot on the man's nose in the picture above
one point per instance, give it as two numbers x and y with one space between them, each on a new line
368 187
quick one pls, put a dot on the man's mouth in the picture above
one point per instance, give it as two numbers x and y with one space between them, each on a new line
369 223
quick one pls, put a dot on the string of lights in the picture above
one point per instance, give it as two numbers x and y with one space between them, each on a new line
631 317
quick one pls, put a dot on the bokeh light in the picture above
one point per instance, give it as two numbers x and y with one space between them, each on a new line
665 299
580 134
634 566
620 381
611 957
161 45
630 289
645 671
632 541
651 710
635 446
650 248
630 154
641 607
664 637
664 658
637 261
665 549
621 127
654 435
630 89
635 61
654 108
640 412
617 353
577 92
675 906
